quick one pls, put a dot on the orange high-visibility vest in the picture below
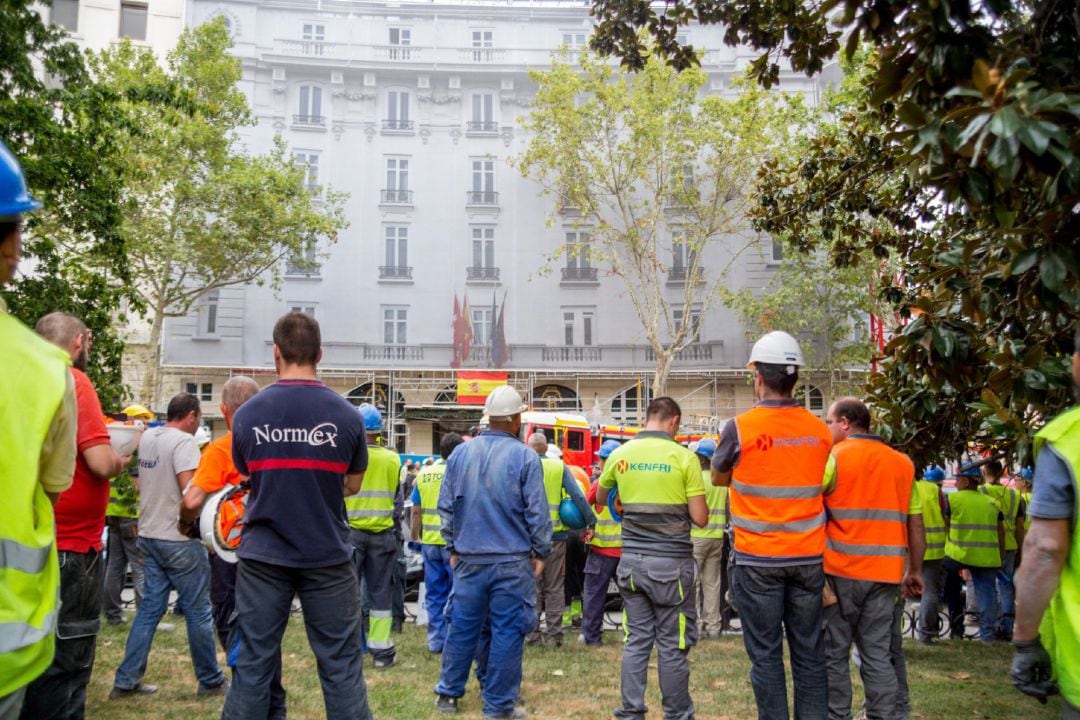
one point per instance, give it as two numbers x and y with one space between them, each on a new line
775 498
868 508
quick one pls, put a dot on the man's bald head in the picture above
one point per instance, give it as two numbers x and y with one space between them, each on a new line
237 391
68 333
538 442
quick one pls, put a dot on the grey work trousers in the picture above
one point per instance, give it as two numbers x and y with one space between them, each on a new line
930 606
709 557
658 607
123 549
550 596
863 615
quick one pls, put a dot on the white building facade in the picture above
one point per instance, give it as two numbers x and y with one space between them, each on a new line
414 109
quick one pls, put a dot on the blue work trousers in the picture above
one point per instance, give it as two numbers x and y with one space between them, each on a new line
438 581
984 580
172 564
505 594
1006 593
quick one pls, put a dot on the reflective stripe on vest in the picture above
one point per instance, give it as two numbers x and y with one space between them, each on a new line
372 508
717 500
973 538
29 572
1008 500
933 519
775 497
607 532
428 483
553 476
117 506
868 511
1060 628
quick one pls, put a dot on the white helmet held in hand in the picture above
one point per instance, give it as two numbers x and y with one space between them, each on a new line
503 402
203 436
776 348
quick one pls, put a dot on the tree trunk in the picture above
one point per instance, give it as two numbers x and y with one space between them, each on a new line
664 358
149 391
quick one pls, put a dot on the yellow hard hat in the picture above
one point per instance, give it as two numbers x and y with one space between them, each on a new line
138 412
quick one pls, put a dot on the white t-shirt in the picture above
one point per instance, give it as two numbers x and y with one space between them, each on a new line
164 453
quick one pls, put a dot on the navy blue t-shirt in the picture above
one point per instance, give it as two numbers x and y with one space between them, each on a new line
296 440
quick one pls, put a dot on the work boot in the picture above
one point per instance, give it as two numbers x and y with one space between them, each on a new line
445 703
220 689
516 714
385 663
140 689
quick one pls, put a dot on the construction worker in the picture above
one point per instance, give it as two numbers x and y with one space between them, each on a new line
80 521
371 530
605 550
1046 637
38 416
1013 510
976 543
426 526
1022 482
659 483
773 458
497 528
874 519
122 519
710 550
930 502
550 592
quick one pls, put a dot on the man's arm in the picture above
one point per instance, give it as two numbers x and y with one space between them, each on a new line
726 456
699 510
534 500
571 488
56 462
916 542
191 503
1046 548
183 479
1001 538
353 481
104 462
414 522
721 478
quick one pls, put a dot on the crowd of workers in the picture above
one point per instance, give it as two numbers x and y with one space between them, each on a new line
807 529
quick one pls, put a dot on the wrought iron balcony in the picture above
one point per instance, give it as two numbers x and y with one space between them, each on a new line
481 197
579 274
396 197
395 272
482 273
314 120
572 354
393 352
397 124
482 126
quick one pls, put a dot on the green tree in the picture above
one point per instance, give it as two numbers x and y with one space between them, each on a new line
656 173
200 212
959 159
65 134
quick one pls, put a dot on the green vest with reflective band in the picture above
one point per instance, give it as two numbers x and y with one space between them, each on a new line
1060 628
428 484
553 474
973 537
123 499
607 532
933 519
29 571
1008 501
717 499
1026 497
372 508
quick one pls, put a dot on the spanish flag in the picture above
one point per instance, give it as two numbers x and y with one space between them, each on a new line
473 386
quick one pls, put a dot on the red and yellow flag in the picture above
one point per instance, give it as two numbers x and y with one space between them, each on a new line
473 386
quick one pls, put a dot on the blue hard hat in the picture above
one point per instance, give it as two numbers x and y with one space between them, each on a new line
934 473
570 515
706 447
372 417
969 470
1026 472
14 197
608 447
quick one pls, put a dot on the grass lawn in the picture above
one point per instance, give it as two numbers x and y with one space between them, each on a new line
951 680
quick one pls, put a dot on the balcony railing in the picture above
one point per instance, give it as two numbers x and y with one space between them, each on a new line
393 352
313 120
396 197
397 124
572 354
481 55
482 273
579 274
313 48
395 272
396 52
480 356
482 126
697 351
481 197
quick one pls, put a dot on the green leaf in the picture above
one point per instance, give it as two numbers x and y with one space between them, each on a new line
1024 261
912 115
1052 271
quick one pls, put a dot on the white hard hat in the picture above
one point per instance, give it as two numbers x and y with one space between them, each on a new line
202 436
553 452
503 401
776 348
212 523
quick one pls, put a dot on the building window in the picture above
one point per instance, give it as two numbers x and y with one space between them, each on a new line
776 252
300 306
483 42
397 181
574 39
400 40
628 407
483 252
578 327
578 256
313 36
397 253
483 183
309 108
65 13
483 113
811 397
203 391
208 316
483 320
694 330
683 258
303 262
397 111
309 161
395 325
133 20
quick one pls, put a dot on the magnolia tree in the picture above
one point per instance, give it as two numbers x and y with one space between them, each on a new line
657 174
